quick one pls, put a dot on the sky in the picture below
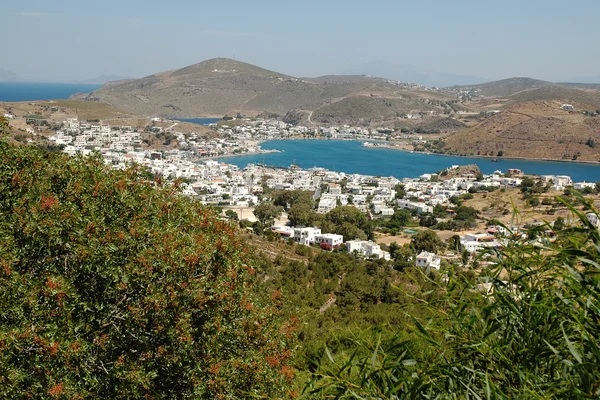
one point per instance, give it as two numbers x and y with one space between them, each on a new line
69 40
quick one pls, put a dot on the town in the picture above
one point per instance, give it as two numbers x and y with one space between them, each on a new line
238 191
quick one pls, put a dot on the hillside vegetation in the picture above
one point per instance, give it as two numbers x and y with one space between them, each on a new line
115 288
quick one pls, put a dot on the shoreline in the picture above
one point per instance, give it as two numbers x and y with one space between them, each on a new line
236 155
498 158
388 146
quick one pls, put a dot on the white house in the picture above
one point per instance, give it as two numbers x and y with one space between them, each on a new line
594 220
583 185
387 211
366 248
326 204
411 205
329 241
476 242
428 260
306 235
567 107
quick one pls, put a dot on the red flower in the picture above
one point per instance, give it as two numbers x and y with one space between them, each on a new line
56 390
48 202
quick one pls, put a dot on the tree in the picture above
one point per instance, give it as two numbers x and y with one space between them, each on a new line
426 240
466 256
351 232
348 215
112 288
3 125
289 198
439 211
534 201
427 221
591 143
232 215
302 214
465 213
526 184
454 242
267 212
587 190
400 218
400 192
559 224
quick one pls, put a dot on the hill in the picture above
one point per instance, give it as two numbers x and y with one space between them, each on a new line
539 129
222 86
528 89
504 87
585 98
366 109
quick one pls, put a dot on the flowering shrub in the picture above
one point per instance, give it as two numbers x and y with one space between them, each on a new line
115 288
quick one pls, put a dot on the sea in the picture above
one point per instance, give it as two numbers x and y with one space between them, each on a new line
29 91
199 121
336 155
351 157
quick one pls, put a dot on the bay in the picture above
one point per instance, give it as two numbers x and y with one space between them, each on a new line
199 121
30 91
350 157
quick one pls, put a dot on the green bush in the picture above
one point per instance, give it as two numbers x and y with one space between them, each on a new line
535 334
112 288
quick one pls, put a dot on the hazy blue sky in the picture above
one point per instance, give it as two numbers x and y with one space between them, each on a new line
77 39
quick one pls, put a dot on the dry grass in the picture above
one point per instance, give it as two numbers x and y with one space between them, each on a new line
531 130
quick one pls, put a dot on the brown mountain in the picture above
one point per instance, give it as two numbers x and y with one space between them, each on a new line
504 87
222 86
538 129
587 99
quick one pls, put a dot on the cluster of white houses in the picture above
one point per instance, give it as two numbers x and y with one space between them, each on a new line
261 129
329 241
210 181
79 137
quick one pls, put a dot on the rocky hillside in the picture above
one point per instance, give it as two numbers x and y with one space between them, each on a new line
368 109
222 86
587 99
504 87
539 129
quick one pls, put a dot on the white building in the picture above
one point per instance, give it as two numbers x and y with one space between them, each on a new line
306 235
329 241
411 205
567 107
326 204
476 242
594 220
366 248
427 260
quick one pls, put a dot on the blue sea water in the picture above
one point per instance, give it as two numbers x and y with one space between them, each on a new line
29 91
199 121
350 157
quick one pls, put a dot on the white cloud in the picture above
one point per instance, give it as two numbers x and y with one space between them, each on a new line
32 14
